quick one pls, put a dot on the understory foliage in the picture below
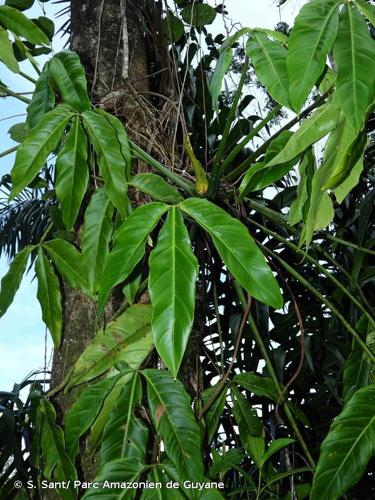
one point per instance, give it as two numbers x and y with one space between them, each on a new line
243 349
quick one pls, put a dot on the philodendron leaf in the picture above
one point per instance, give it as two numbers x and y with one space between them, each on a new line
173 418
72 173
67 72
127 339
173 274
129 246
348 447
354 54
43 99
312 37
6 52
33 152
156 187
239 252
112 163
49 296
12 280
269 60
97 232
261 386
20 25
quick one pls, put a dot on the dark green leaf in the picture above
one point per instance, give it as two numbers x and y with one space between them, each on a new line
221 68
156 187
20 25
275 446
198 14
307 169
173 27
46 25
216 409
20 4
223 463
18 132
6 52
261 386
43 99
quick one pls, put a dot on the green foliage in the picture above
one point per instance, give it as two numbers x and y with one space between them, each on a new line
20 25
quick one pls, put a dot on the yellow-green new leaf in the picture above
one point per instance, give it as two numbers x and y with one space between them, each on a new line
237 249
72 173
310 41
348 447
10 283
20 25
173 274
354 53
49 296
33 152
6 52
156 187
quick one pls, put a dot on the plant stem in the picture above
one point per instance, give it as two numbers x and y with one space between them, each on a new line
31 79
349 244
8 151
10 93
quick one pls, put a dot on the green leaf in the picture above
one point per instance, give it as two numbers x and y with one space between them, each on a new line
6 52
348 447
157 475
124 434
68 74
112 164
223 463
84 411
275 446
173 27
310 41
216 409
57 464
97 232
354 53
127 339
367 10
49 296
43 99
129 247
122 471
221 68
156 187
18 132
342 191
68 261
20 4
131 288
307 169
174 421
237 249
173 274
20 25
261 386
72 173
46 25
33 152
12 280
269 60
198 14
314 128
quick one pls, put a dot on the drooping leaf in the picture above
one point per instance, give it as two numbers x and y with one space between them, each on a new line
33 152
174 421
68 261
216 409
6 52
20 25
348 447
129 246
275 446
97 232
173 274
237 249
223 463
12 280
269 60
307 168
43 99
217 78
343 189
127 339
46 25
310 41
354 53
156 187
18 132
49 296
198 14
72 173
261 386
82 414
67 72
112 164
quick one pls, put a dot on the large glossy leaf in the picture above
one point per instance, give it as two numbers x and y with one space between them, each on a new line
72 173
97 232
174 421
112 164
261 386
33 152
311 39
348 447
49 296
122 471
314 128
43 99
12 280
84 411
156 187
237 249
6 52
124 434
354 53
269 60
129 246
68 261
127 339
173 274
20 25
69 76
